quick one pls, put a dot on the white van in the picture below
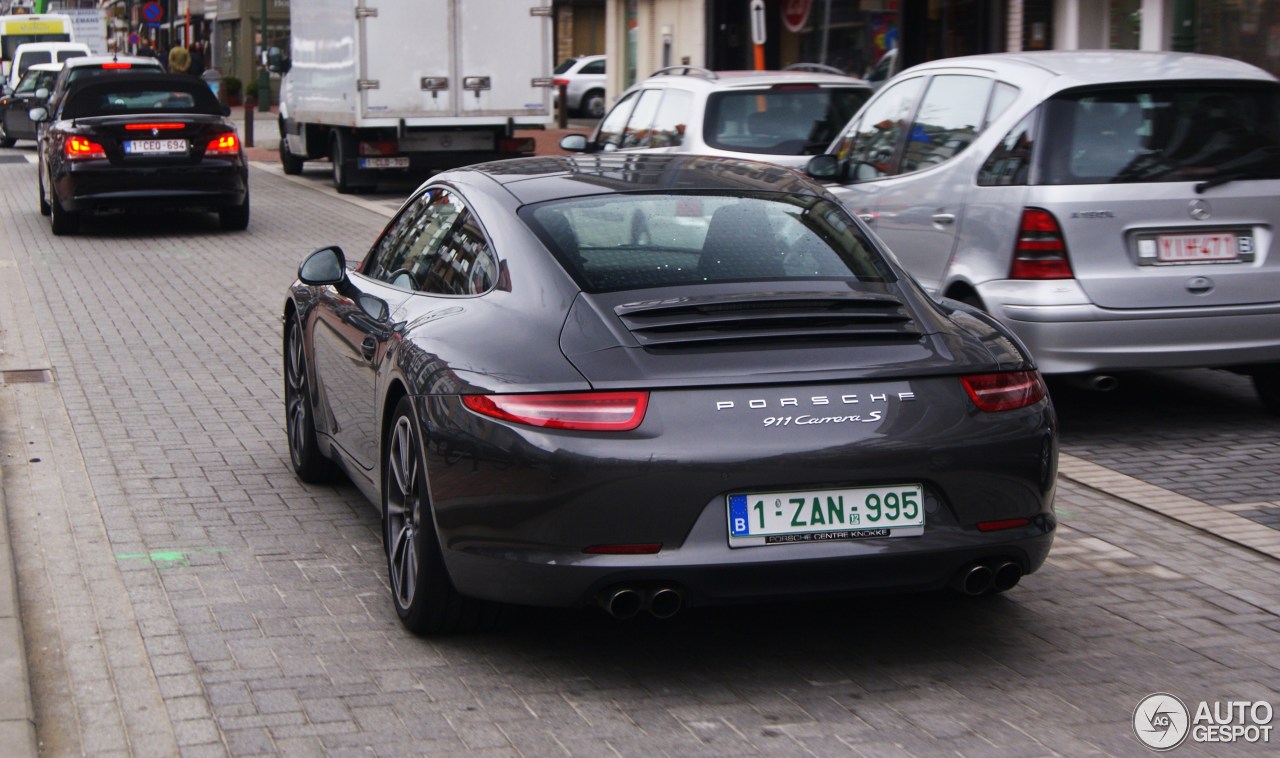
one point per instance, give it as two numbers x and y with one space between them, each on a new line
34 27
31 53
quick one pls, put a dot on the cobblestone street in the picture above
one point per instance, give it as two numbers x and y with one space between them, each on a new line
182 592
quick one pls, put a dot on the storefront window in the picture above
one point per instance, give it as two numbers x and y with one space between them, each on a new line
1248 30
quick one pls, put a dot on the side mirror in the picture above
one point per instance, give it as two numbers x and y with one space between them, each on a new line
825 167
574 143
42 93
38 115
326 266
374 307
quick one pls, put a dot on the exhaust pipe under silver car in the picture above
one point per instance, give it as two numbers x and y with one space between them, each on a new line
621 602
1095 382
1006 576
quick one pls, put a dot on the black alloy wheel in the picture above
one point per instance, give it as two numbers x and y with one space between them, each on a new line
45 208
339 146
5 139
304 449
63 221
424 596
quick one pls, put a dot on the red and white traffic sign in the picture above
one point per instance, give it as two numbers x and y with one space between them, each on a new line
795 13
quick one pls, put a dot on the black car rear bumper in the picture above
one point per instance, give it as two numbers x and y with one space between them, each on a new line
99 187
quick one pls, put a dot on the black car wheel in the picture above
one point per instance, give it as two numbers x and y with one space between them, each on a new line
63 221
424 596
304 450
339 147
5 139
236 217
290 163
45 209
593 103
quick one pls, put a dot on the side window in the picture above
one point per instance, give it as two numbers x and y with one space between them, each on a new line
949 118
610 132
464 264
402 255
1010 162
672 118
594 67
640 124
1001 99
871 145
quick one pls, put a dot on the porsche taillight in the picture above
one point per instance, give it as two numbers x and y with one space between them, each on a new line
1005 391
1041 250
223 144
582 411
82 149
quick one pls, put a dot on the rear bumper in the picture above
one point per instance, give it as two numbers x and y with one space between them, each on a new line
1077 338
186 187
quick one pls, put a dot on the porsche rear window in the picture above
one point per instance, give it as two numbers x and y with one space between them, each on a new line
635 241
1185 131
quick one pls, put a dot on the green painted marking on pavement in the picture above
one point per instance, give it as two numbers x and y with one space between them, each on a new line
170 558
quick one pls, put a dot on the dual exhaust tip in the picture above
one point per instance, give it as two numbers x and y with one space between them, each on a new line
981 578
626 602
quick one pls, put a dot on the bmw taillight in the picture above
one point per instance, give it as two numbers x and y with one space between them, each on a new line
82 149
1005 391
583 411
223 144
1041 251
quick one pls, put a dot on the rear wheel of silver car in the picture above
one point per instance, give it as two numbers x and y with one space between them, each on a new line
63 221
1267 383
424 596
236 217
304 449
593 103
290 163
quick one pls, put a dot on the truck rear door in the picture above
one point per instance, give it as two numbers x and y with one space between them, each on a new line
524 42
406 58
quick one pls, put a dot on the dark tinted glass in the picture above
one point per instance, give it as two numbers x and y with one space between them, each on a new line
1010 162
780 121
621 242
130 98
1185 131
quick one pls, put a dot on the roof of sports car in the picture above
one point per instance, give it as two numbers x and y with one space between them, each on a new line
548 178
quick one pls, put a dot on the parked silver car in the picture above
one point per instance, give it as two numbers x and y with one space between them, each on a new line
583 78
777 116
1117 209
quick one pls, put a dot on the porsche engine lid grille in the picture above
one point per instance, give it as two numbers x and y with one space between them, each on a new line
769 318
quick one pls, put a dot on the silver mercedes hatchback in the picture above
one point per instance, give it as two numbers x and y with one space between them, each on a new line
1117 209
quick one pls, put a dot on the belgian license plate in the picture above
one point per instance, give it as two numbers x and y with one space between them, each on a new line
397 162
1199 248
773 518
155 146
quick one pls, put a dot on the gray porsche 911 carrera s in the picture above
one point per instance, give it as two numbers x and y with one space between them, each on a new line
648 382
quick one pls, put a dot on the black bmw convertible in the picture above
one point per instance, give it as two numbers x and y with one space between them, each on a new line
140 141
648 382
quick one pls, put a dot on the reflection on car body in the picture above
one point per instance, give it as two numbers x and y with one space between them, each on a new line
675 380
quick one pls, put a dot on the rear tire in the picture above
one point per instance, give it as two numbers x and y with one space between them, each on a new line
45 210
290 163
304 449
63 221
423 593
339 148
235 218
593 104
5 139
1267 383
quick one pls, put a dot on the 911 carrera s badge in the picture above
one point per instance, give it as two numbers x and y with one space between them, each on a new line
809 410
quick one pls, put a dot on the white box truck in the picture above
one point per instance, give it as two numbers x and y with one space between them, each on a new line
415 87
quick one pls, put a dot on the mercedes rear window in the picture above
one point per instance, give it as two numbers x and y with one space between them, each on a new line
1166 132
636 241
783 120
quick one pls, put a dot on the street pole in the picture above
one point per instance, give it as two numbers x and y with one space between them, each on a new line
264 78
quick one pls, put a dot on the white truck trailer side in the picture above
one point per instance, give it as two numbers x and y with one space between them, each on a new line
416 87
